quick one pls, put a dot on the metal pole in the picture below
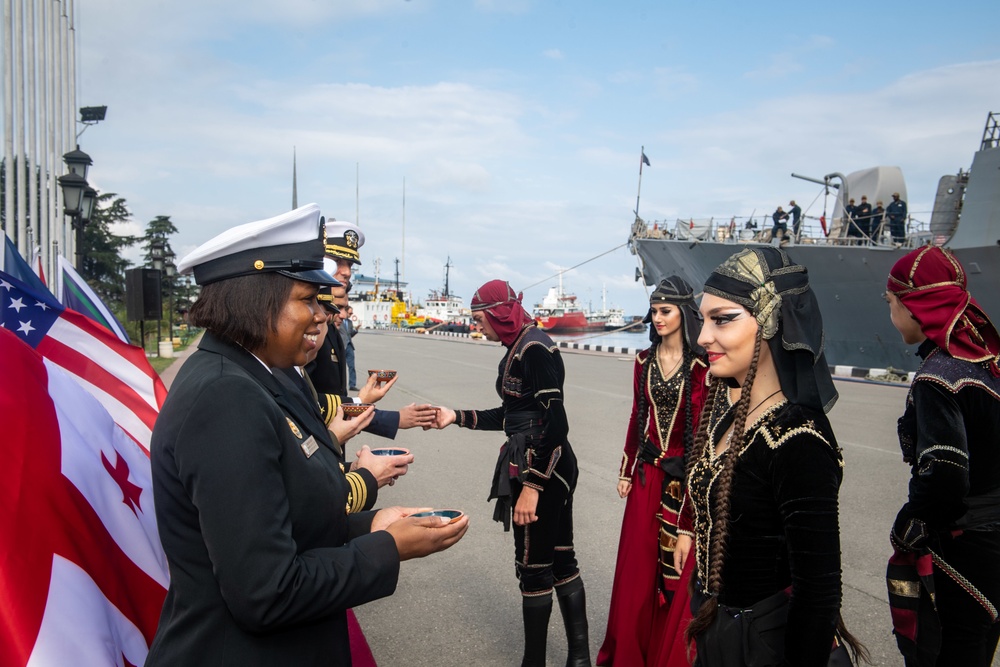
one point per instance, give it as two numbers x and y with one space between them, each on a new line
31 159
642 153
22 187
403 251
57 102
43 223
8 116
77 225
48 132
68 136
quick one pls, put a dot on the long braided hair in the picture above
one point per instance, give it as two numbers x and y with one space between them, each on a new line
642 416
720 524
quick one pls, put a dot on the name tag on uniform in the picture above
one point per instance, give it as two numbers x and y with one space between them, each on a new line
309 447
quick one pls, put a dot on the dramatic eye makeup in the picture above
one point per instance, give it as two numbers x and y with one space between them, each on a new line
725 318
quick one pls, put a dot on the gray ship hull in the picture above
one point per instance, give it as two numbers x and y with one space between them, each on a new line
849 283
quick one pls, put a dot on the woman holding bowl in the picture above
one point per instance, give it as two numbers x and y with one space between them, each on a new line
251 499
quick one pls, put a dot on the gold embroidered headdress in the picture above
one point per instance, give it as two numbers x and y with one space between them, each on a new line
776 291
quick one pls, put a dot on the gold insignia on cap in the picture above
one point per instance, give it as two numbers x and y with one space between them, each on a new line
295 429
351 239
259 264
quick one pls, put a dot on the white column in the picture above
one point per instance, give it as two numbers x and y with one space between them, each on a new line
44 213
21 240
31 155
58 111
8 115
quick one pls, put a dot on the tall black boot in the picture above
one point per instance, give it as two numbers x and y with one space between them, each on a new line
536 612
573 604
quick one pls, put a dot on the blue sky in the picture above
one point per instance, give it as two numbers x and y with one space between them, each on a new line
517 124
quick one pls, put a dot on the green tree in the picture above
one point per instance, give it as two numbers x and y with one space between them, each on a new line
103 266
158 230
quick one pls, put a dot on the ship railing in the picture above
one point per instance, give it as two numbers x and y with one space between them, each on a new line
991 133
747 229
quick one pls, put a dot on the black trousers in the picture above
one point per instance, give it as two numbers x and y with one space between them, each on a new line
898 230
968 638
543 551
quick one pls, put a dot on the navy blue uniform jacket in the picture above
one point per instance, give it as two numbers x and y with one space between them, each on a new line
264 559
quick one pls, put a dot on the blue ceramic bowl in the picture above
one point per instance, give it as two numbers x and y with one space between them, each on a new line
386 451
453 515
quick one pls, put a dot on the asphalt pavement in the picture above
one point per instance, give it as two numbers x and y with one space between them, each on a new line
462 607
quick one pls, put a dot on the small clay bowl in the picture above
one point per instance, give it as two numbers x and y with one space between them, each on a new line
354 409
388 451
382 375
452 515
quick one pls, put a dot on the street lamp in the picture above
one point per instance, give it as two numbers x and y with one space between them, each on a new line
171 272
78 196
78 162
156 249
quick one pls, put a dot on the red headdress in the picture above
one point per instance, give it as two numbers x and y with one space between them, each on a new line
931 284
503 309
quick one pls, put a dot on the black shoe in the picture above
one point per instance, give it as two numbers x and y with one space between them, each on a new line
353 389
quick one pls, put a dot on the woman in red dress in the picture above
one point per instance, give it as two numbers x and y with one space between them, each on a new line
668 394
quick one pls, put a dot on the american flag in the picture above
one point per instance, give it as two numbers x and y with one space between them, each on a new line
117 374
83 574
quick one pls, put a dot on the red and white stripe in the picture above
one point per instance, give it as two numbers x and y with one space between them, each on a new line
117 374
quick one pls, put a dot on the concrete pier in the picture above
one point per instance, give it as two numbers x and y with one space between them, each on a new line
462 607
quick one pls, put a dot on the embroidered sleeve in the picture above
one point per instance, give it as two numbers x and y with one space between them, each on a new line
480 420
543 374
806 477
631 437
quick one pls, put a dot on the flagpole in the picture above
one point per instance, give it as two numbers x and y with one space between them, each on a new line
642 154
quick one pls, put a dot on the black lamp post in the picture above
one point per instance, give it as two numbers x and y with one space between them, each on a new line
157 249
171 272
78 196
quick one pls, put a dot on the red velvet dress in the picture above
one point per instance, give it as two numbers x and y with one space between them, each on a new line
646 588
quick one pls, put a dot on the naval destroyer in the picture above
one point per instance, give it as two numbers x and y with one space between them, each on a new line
849 273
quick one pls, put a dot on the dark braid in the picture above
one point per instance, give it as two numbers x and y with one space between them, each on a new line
720 525
642 416
701 436
686 364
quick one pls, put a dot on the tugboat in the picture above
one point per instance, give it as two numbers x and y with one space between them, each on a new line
848 272
446 308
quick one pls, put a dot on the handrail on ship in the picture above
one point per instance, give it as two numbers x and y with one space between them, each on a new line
735 231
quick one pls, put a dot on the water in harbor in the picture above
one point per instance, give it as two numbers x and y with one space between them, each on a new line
617 339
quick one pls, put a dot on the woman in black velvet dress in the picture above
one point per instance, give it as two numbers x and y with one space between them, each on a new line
761 502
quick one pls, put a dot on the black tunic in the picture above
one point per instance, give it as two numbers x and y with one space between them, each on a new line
783 523
530 379
950 436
